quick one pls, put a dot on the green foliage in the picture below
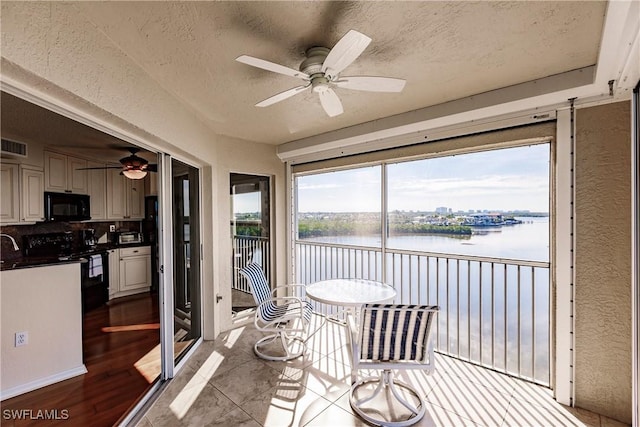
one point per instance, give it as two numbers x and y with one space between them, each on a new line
341 227
411 228
248 230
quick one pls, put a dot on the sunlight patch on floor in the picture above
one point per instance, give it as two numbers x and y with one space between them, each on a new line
211 365
233 337
186 398
127 328
149 365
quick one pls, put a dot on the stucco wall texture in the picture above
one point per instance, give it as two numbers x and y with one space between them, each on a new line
603 261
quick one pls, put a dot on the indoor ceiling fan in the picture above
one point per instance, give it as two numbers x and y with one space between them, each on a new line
321 70
133 167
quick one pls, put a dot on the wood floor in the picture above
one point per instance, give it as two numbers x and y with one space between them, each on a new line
113 384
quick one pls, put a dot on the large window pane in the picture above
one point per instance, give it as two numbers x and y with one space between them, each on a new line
492 204
340 207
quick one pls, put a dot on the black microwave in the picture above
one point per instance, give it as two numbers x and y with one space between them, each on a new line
66 207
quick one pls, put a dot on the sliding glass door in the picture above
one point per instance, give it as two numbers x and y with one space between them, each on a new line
250 231
186 257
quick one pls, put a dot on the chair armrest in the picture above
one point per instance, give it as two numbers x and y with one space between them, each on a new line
278 300
294 286
294 310
354 335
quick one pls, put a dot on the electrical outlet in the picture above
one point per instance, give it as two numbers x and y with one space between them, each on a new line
112 228
22 338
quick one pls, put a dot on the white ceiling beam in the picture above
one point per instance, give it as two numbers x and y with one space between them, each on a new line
621 26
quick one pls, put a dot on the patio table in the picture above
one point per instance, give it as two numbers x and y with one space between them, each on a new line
350 293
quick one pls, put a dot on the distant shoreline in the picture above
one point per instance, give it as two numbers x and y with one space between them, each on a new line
321 224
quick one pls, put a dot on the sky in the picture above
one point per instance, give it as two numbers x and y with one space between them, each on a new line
506 179
246 202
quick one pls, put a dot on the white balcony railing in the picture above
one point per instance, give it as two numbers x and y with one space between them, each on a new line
248 249
494 312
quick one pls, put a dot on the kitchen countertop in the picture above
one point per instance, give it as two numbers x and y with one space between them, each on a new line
80 256
30 262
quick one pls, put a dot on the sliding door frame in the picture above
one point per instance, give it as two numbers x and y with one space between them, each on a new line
165 251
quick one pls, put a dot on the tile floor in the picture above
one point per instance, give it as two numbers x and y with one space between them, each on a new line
225 384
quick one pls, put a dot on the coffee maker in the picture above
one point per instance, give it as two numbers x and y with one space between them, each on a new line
89 238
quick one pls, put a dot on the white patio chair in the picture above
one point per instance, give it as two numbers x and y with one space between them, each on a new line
285 318
390 337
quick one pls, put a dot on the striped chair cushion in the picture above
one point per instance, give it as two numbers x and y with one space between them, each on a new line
258 282
394 333
262 292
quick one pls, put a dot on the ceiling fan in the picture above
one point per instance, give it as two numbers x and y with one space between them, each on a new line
133 167
321 70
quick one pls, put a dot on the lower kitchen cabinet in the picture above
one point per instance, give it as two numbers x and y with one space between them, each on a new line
129 271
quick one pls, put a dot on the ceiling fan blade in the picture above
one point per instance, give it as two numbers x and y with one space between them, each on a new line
331 103
152 168
271 66
281 96
348 48
371 84
101 167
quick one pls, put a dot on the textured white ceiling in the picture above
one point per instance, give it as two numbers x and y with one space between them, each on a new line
445 51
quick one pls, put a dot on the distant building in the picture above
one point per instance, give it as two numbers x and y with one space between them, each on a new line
442 210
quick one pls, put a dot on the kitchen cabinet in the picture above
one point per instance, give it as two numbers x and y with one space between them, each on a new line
125 197
62 173
97 190
136 198
32 194
9 193
129 271
135 268
21 194
151 184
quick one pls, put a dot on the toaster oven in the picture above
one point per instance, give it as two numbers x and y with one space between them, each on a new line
129 237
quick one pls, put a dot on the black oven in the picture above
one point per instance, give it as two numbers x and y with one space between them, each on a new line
66 207
94 274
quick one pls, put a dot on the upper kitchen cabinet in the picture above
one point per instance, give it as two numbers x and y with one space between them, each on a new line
125 197
9 193
97 190
32 194
63 175
21 193
151 184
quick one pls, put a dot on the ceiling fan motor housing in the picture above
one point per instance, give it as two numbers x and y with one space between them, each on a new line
134 162
313 67
315 58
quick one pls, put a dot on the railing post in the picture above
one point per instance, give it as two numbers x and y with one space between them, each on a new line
384 220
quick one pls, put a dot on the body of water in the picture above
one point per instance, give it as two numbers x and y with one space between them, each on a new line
493 313
528 241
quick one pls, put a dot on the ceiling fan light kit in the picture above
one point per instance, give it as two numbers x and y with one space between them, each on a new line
133 167
321 70
134 173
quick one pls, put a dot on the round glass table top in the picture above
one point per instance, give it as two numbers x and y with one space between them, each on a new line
350 292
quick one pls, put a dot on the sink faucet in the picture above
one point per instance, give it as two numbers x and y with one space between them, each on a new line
15 245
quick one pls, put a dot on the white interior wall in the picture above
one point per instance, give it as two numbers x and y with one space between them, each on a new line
60 61
257 159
